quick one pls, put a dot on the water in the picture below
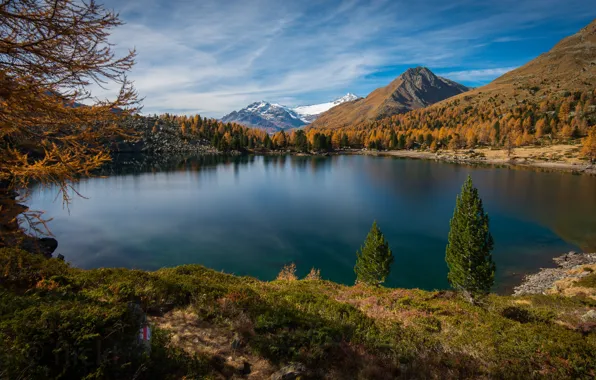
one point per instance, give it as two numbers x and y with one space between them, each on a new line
251 215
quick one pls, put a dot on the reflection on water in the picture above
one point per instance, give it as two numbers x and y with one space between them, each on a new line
251 215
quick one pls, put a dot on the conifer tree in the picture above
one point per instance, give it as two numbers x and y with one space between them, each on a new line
374 259
468 254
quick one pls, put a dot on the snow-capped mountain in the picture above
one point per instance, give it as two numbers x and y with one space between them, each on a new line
310 113
275 117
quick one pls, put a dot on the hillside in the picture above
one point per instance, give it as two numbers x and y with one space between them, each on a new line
569 66
550 100
59 321
415 88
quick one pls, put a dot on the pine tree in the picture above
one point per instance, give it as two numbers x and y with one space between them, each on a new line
393 140
374 259
468 254
344 141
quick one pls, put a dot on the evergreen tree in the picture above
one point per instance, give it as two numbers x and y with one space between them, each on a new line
401 144
393 140
328 143
317 142
300 141
267 142
497 128
374 259
344 141
468 254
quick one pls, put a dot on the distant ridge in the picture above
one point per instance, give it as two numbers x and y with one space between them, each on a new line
275 117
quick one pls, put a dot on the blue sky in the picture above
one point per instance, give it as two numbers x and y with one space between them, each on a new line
215 56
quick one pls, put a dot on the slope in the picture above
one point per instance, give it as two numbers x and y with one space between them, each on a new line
415 88
569 66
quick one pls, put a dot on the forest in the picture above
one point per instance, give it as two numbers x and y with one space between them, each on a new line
568 118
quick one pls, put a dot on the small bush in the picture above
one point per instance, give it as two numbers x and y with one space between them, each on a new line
288 273
314 274
523 315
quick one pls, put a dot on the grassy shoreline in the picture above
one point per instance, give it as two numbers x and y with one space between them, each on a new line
209 324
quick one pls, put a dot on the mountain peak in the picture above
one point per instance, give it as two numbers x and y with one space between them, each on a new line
417 70
346 98
274 117
415 73
417 87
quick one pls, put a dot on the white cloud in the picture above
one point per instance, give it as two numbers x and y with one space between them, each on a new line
481 75
215 56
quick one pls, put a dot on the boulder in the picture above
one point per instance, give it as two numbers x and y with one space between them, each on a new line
292 371
44 246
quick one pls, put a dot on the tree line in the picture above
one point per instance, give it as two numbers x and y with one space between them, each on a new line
235 137
557 118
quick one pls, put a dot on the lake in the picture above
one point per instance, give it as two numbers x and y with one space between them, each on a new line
250 215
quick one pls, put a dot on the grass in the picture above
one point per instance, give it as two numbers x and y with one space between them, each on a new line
62 322
588 281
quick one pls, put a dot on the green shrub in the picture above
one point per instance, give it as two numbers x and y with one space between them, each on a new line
588 281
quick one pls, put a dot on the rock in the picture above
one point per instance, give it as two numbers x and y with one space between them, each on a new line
48 245
573 259
44 246
290 372
590 316
545 279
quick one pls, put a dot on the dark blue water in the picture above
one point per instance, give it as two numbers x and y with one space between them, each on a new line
252 215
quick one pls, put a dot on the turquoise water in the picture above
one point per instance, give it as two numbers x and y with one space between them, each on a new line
251 215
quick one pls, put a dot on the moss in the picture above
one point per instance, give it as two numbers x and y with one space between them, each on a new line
50 313
588 281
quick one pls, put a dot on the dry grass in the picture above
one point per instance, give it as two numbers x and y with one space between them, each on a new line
555 157
573 285
288 273
314 274
202 338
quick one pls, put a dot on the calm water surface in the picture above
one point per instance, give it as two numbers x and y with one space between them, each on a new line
251 215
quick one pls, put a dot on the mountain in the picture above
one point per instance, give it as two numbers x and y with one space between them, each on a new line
569 66
310 113
415 88
275 117
268 116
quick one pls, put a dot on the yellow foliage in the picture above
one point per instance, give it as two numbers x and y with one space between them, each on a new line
589 145
288 273
51 51
314 274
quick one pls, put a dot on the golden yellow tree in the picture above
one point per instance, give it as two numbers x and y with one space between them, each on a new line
50 52
589 146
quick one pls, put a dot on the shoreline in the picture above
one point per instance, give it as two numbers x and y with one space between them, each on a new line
555 158
474 157
571 267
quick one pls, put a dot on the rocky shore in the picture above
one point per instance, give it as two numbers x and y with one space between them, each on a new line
534 158
572 266
160 137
